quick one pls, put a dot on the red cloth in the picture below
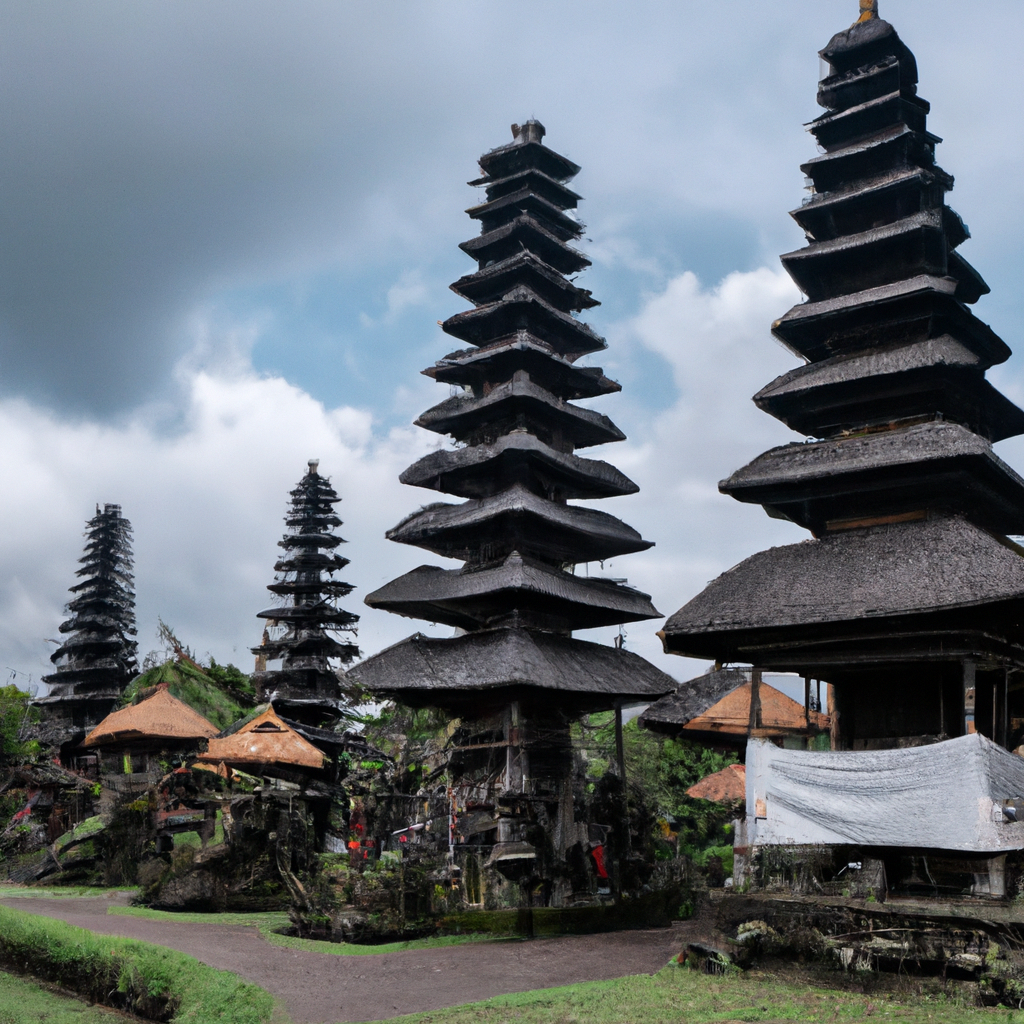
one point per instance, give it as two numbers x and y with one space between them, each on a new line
598 854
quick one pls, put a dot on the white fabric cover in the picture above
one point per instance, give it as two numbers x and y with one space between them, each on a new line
946 796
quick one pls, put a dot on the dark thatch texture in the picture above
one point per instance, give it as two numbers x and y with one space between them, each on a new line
463 669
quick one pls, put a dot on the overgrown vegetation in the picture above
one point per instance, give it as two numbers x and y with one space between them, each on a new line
15 715
150 981
659 770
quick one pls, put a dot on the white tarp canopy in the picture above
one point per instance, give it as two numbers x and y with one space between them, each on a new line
946 796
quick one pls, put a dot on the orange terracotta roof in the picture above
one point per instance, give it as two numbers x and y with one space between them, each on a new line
779 714
265 740
728 784
160 717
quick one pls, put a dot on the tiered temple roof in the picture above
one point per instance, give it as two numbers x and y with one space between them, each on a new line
899 485
306 686
516 435
98 658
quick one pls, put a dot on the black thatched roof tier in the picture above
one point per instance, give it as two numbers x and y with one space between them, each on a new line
517 404
545 240
915 380
692 698
933 465
871 580
524 153
493 281
523 309
887 196
481 470
476 368
908 247
518 520
536 593
917 308
467 673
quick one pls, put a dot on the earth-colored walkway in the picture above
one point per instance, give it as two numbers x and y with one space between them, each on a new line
320 987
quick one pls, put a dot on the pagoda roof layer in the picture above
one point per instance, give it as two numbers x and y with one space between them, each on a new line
519 402
521 309
461 671
518 519
527 152
477 367
936 376
157 718
862 577
923 306
481 470
934 465
906 248
545 240
477 598
494 280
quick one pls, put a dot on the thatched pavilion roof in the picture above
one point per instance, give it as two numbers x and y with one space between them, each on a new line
155 719
266 740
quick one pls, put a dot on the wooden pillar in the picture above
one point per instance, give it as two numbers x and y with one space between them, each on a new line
754 721
620 751
1005 732
807 702
942 708
969 696
833 716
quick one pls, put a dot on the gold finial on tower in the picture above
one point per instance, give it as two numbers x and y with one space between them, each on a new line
868 10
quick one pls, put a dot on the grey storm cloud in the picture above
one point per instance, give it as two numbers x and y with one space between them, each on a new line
153 155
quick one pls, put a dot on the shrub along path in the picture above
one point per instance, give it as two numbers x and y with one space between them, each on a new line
316 987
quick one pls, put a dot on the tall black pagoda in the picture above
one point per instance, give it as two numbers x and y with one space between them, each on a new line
306 687
98 659
910 597
513 666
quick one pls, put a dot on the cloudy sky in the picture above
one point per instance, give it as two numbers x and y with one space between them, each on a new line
228 231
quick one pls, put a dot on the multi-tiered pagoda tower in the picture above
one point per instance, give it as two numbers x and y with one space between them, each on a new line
306 687
98 659
513 667
910 598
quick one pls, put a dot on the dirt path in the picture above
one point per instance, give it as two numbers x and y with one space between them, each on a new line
320 987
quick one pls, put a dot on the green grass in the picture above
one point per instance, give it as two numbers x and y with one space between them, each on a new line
23 1001
680 996
151 981
269 924
61 891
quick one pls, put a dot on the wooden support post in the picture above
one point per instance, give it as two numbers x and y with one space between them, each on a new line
1005 734
942 708
807 702
833 717
620 751
754 721
995 705
969 696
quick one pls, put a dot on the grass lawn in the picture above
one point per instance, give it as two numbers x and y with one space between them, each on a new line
60 892
680 996
268 924
23 1001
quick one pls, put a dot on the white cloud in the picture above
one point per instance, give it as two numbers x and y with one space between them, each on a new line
206 503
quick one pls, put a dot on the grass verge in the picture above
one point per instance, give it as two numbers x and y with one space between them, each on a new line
679 996
269 924
60 892
23 1001
151 981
